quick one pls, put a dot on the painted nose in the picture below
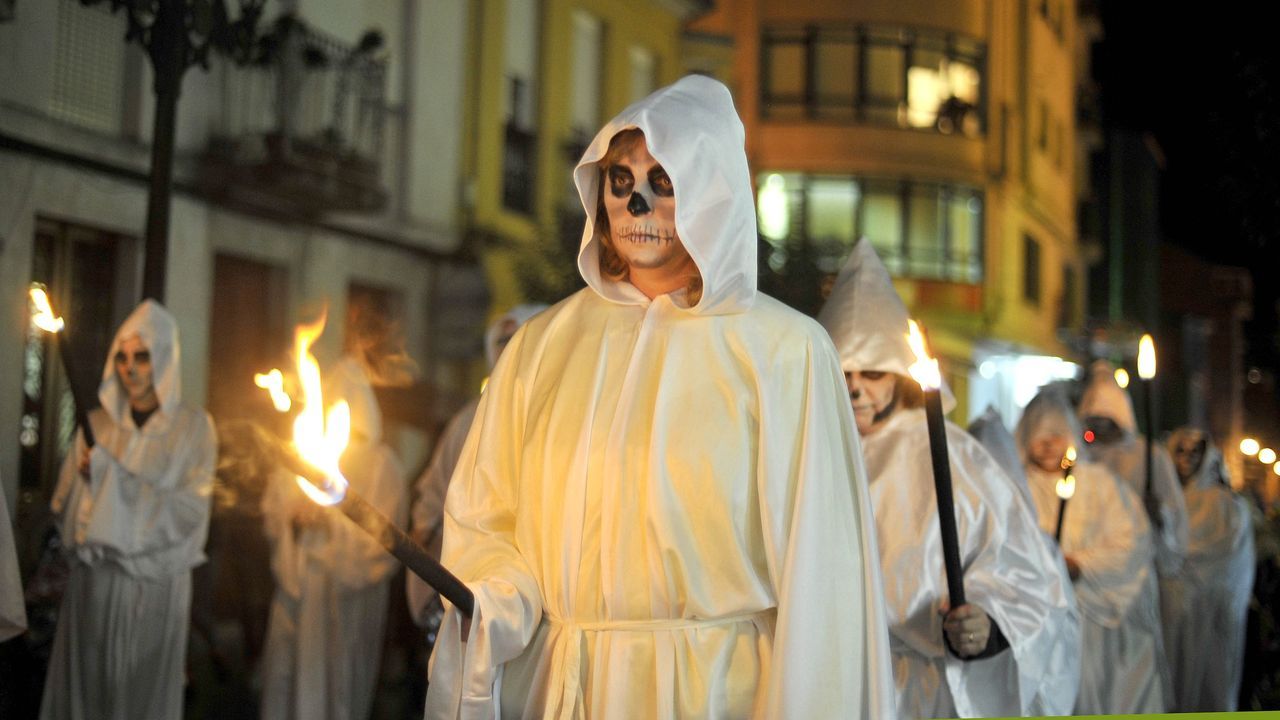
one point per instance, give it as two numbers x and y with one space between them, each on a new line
636 205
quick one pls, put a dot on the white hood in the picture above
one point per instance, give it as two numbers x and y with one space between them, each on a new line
1049 413
519 314
158 330
692 129
1103 397
867 321
1213 469
989 430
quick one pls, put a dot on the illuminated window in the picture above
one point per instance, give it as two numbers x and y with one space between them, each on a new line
919 229
879 75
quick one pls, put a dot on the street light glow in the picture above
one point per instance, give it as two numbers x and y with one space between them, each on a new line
1249 447
1267 456
1122 378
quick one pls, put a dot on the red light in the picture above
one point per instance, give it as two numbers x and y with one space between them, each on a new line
1088 436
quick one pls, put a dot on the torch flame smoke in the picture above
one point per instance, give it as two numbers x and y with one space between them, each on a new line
924 369
43 316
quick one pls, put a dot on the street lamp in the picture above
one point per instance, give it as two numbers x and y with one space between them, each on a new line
1267 456
1249 447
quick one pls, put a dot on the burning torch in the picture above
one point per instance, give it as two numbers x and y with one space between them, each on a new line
1147 372
1066 488
42 316
925 371
319 441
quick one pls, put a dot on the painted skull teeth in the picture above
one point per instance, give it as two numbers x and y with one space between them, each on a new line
646 235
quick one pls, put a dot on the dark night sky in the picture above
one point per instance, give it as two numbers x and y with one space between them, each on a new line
1206 84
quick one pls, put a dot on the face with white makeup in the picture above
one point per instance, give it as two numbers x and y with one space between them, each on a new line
638 223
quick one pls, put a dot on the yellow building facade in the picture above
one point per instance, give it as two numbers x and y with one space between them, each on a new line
545 75
941 131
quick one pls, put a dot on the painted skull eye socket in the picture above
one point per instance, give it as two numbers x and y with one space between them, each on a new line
660 181
621 182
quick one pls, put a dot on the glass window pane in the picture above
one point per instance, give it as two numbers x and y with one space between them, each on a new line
832 208
964 223
882 225
836 72
924 244
885 72
785 64
927 87
776 200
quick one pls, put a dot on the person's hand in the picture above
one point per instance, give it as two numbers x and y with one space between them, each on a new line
1073 567
82 461
967 627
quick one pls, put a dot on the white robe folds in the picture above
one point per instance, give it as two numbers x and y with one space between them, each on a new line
13 611
1008 572
325 632
1207 642
135 529
428 506
661 507
1105 530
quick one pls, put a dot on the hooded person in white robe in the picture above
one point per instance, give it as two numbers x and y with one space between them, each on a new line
661 508
133 512
1207 642
325 631
994 656
1107 410
1107 544
13 611
427 514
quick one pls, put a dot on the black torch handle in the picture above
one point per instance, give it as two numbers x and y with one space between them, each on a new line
413 555
82 407
946 502
1062 512
1148 489
391 538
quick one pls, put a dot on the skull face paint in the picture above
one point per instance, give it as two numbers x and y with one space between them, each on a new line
641 206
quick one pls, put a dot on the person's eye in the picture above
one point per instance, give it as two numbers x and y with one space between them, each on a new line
620 181
661 183
120 358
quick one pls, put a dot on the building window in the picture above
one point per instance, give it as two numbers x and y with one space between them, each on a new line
920 229
879 75
644 72
519 157
89 67
1030 270
1042 127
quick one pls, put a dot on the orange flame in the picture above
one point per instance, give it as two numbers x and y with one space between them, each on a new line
925 368
318 437
42 313
1069 460
273 382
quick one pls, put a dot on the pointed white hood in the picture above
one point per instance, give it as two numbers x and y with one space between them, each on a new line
1213 469
520 315
1103 397
691 128
158 330
988 428
1049 413
867 321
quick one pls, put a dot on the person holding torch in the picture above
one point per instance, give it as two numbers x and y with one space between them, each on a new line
133 512
990 656
1106 541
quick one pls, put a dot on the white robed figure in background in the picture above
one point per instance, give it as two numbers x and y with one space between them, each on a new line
133 512
13 611
427 515
1207 642
1107 410
995 655
1107 544
661 507
325 631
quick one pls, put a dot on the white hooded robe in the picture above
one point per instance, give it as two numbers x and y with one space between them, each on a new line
662 509
1105 531
325 632
1008 570
1207 642
135 529
13 611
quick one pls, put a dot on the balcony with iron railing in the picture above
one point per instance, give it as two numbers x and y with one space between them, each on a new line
301 131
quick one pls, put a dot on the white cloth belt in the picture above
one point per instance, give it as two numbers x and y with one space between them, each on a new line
566 658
